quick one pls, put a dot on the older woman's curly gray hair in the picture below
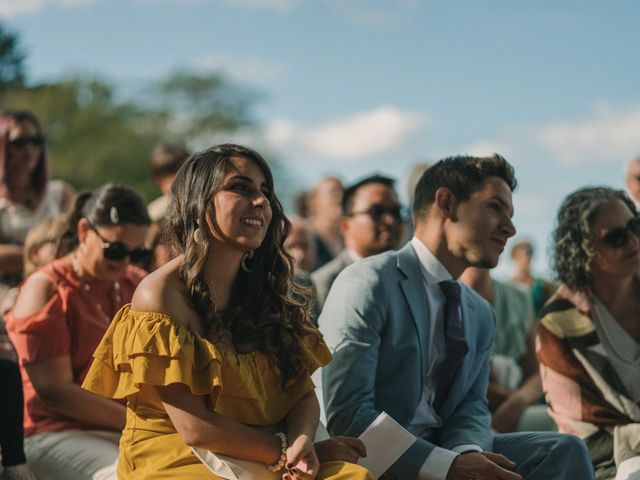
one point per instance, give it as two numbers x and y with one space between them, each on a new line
572 238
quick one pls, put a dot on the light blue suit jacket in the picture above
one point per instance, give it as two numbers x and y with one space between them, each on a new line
375 321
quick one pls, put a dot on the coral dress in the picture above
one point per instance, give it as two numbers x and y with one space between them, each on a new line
143 349
71 323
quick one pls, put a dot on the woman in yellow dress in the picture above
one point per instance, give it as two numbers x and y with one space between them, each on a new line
214 351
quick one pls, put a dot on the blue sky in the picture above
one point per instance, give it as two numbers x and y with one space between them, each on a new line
355 86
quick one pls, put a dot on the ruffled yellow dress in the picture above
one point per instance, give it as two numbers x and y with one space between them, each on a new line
146 349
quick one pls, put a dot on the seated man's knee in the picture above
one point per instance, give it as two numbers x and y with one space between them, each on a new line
570 442
570 446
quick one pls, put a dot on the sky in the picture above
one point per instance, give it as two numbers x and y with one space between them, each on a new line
352 87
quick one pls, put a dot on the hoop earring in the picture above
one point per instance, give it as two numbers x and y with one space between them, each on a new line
198 236
243 264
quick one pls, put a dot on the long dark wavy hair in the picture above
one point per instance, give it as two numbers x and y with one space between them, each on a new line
263 311
572 253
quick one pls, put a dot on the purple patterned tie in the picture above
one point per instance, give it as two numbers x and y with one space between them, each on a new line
455 344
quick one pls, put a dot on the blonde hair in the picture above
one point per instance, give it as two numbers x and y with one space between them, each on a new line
40 234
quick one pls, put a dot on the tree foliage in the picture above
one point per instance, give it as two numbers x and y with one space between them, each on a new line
11 59
93 137
209 102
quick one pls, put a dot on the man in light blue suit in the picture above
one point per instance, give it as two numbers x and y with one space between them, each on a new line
410 340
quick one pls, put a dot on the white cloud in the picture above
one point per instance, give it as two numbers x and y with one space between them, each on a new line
367 134
281 133
11 8
250 70
608 135
179 2
536 205
75 3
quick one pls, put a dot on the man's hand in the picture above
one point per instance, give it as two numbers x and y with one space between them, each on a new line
482 466
343 449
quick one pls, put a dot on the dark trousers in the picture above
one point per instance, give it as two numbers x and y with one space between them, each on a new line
11 414
546 455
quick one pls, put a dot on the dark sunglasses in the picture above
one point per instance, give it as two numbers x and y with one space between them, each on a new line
377 212
119 250
618 237
21 142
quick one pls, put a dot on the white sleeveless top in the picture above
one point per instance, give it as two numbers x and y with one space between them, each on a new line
16 219
622 350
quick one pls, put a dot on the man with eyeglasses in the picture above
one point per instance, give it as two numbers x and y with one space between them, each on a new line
371 223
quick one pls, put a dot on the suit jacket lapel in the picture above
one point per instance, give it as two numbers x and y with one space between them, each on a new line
414 292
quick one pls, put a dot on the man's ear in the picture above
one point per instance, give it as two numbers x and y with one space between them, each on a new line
446 203
344 225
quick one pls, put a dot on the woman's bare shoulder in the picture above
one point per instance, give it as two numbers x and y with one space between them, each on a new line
34 294
163 291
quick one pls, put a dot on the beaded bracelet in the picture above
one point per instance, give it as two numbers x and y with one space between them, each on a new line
276 467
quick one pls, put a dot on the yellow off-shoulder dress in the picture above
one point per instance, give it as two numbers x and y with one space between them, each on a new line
146 349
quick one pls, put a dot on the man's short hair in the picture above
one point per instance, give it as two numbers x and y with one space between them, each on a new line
349 195
412 180
167 158
463 175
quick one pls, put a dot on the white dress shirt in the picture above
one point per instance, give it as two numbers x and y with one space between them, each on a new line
438 463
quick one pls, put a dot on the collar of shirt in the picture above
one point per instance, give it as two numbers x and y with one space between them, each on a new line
353 254
432 270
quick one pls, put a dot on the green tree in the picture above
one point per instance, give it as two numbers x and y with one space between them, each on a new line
11 59
203 109
91 137
94 137
201 105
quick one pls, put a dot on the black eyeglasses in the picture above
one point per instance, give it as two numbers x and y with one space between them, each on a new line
618 237
119 250
21 142
377 212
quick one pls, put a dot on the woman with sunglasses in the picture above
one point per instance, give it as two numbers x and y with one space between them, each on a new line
27 196
588 339
215 352
60 316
